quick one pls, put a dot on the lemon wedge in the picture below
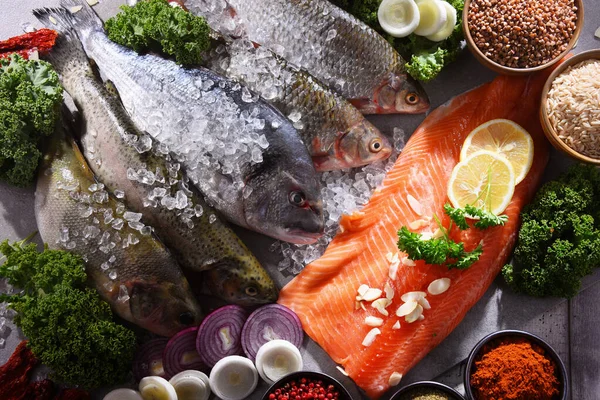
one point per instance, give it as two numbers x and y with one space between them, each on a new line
505 138
485 180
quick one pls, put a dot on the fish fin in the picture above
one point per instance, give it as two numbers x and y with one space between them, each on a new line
68 48
85 19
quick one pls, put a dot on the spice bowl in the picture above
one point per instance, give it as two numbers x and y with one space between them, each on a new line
296 377
423 388
551 134
496 339
507 70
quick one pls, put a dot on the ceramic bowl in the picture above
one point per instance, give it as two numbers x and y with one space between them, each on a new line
414 387
295 376
551 134
476 354
501 69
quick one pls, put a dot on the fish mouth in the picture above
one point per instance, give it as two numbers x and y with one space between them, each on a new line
298 236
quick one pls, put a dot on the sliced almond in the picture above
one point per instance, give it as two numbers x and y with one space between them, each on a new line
414 315
438 286
418 224
342 371
421 317
424 303
362 305
396 325
373 321
372 294
380 305
415 205
597 33
407 308
415 296
75 9
92 2
357 305
437 234
393 272
426 235
34 55
362 289
389 291
407 262
370 338
389 256
395 378
53 20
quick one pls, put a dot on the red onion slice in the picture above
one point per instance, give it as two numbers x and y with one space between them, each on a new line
219 334
271 322
148 359
181 354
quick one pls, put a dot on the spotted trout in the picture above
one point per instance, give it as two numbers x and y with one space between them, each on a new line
332 45
242 153
151 183
133 272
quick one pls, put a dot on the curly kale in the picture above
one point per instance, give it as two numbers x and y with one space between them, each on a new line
559 240
154 25
426 58
30 98
70 328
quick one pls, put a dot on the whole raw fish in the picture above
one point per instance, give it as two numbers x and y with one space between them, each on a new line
336 134
132 166
244 155
332 45
133 272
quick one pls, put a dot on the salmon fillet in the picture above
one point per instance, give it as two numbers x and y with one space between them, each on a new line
323 295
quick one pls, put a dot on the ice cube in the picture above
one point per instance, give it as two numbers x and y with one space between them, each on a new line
112 275
132 216
331 34
123 293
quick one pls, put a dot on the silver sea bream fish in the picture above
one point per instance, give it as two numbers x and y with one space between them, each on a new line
140 172
244 155
329 43
336 134
134 273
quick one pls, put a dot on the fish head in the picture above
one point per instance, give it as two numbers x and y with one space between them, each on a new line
397 94
363 144
242 286
163 307
285 203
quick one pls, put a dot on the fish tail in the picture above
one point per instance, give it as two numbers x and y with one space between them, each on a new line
83 16
68 49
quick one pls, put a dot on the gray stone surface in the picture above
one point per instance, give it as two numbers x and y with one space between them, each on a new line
570 327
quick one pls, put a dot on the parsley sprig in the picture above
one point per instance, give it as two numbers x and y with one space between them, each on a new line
486 219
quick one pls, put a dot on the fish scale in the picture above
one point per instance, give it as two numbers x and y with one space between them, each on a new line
332 45
323 295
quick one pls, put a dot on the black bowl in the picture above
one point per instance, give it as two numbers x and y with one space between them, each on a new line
453 394
295 376
475 355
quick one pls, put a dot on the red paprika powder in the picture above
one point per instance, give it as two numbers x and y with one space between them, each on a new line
514 369
41 40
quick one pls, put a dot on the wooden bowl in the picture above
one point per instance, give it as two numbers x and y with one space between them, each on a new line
501 69
551 134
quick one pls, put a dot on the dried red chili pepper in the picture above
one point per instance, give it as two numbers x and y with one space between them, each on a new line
14 375
41 40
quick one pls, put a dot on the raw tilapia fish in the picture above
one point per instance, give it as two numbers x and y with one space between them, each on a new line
336 134
243 154
329 43
133 272
123 158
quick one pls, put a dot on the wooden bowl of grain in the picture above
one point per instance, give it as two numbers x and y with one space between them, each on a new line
570 108
501 37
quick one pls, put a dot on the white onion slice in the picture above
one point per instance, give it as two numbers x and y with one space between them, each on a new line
123 394
191 385
156 388
399 18
233 378
447 29
277 358
433 17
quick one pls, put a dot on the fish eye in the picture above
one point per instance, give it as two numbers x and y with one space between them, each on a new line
412 98
375 146
251 291
297 198
186 318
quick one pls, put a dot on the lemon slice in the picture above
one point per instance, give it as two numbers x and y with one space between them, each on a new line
485 180
505 138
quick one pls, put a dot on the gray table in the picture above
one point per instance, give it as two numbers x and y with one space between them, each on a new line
571 327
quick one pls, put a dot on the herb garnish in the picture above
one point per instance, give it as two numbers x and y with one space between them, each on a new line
486 218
